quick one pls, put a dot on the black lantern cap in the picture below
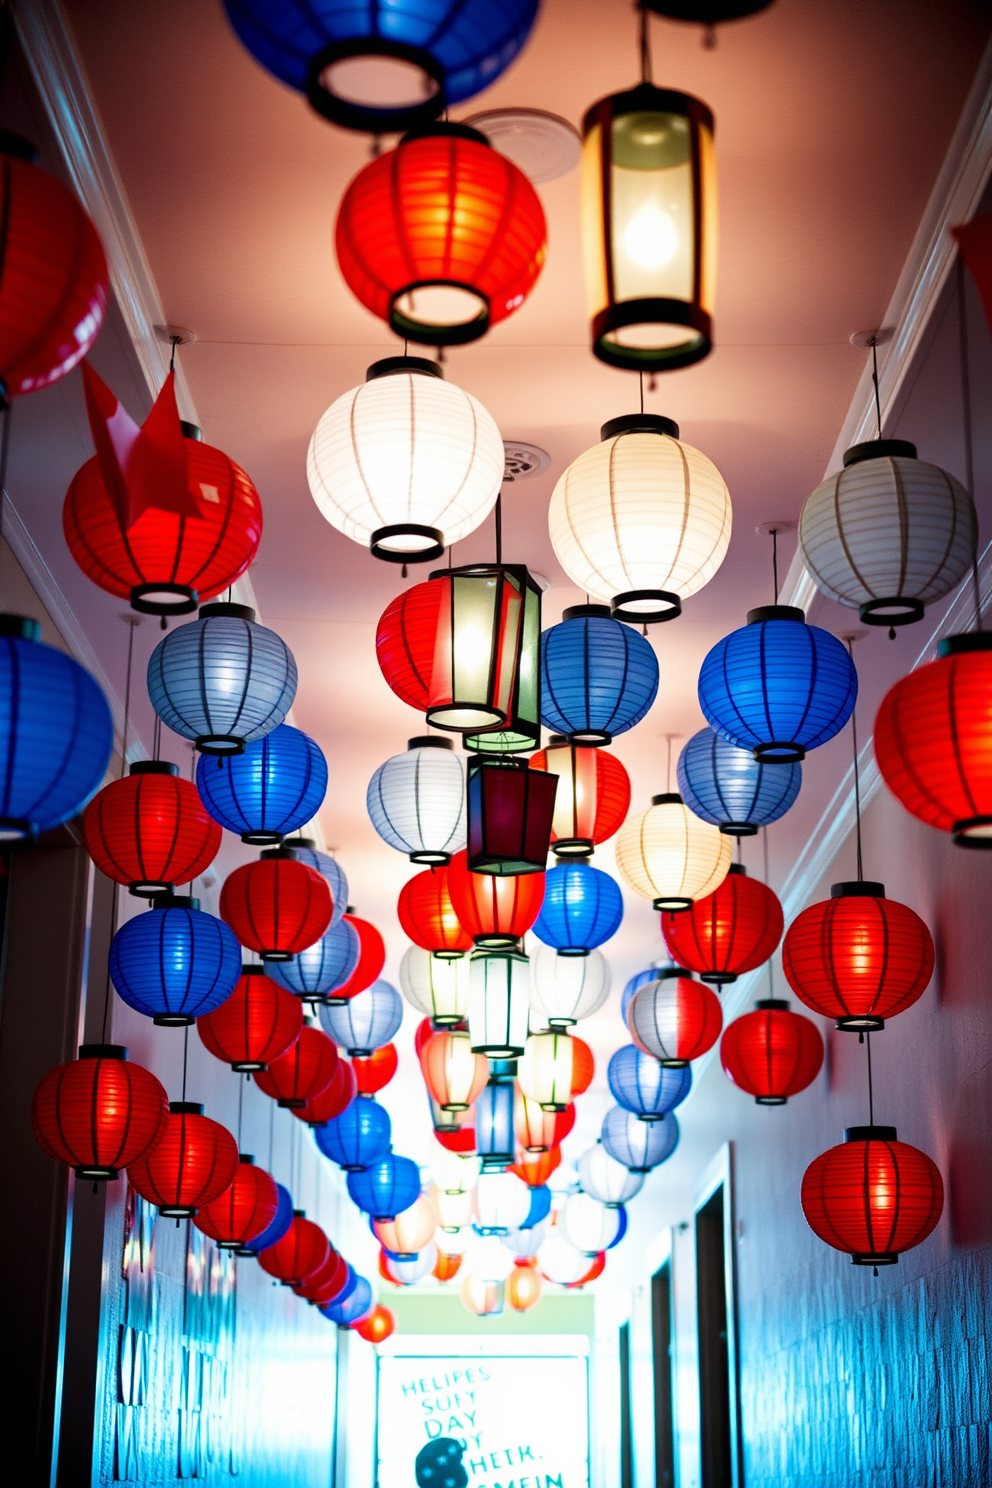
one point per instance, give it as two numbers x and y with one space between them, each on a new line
639 423
706 12
863 888
772 1005
369 118
103 1051
225 609
390 366
879 449
175 901
870 1134
776 612
20 627
429 741
153 767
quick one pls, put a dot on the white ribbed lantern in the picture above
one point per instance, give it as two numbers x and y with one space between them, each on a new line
488 1259
454 1210
526 1243
545 1070
606 1179
453 1172
888 534
435 986
366 1021
409 1272
454 1242
589 1225
416 801
669 855
559 1261
564 989
502 1202
641 520
406 463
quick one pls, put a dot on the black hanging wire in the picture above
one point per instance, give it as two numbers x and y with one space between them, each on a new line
857 772
871 1093
176 341
771 959
241 1098
185 1056
132 622
668 768
773 534
4 455
873 343
645 44
272 1132
498 510
969 449
641 377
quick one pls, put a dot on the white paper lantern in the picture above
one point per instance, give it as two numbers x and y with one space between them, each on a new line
416 801
454 1172
641 519
406 463
408 1273
527 1242
559 1261
498 1004
488 1259
454 1210
435 986
564 989
454 1242
366 1021
502 1202
669 855
589 1225
544 1073
606 1179
484 1298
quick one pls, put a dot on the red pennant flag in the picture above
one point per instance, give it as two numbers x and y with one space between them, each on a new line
142 466
975 243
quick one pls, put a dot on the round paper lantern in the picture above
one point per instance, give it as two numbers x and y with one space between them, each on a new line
277 1227
674 1018
592 799
582 907
303 1250
540 1206
932 740
889 534
222 680
453 1172
304 850
592 1272
525 1243
410 1231
386 1187
640 1083
446 1267
599 677
545 1070
302 1072
583 1065
165 563
428 916
150 830
733 930
356 1138
277 906
371 959
332 1100
366 1021
54 291
406 639
589 1225
174 962
56 732
666 854
436 985
494 911
275 786
378 1326
539 1130
772 1053
499 1008
641 520
523 1286
858 957
778 686
191 1163
416 801
406 464
564 989
442 238
536 1168
353 1308
484 1298
454 1211
639 979
326 966
607 1180
453 1074
560 1262
502 1202
257 1023
98 1113
728 787
244 1210
873 1196
328 1282
374 1071
639 1145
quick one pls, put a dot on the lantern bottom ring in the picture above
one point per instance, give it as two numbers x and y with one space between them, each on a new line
770 1100
407 542
361 1054
718 978
454 1106
248 1067
885 1259
449 956
973 831
537 1149
592 737
15 828
176 1211
97 1175
276 955
494 867
897 611
173 1020
437 333
329 1001
219 744
673 1064
860 1023
681 333
148 888
164 599
494 941
464 718
432 859
427 89
672 902
573 847
291 1103
261 839
649 1117
499 1051
739 829
779 752
556 1107
228 1245
646 606
574 951
561 1025
314 1000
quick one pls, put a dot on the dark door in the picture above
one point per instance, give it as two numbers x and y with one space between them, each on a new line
661 1338
714 1376
626 1458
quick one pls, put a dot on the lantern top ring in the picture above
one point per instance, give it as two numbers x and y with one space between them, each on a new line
772 1005
224 609
153 767
639 423
646 606
407 542
428 741
392 366
340 110
164 599
446 129
879 449
103 1051
572 847
870 1134
776 612
957 645
863 888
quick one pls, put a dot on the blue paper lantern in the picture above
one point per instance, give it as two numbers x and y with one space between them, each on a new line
598 676
540 1206
354 1307
639 1145
275 786
174 962
222 680
729 788
495 1141
386 1187
639 979
641 1084
323 967
56 733
329 868
582 907
278 1227
366 1021
778 686
358 1137
427 53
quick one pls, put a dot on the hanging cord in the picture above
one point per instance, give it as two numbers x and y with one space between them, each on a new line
176 341
132 621
157 737
771 958
4 454
774 538
641 377
498 509
871 1093
668 768
272 1132
645 43
241 1099
185 1056
873 343
857 772
966 426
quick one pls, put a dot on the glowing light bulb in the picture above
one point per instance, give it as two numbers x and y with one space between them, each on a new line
651 238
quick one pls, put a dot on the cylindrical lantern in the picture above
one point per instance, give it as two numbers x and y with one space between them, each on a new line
539 1130
589 1225
192 1162
728 787
258 1022
510 809
640 521
498 1004
323 968
150 830
733 930
483 637
606 1179
873 1196
244 1210
453 1073
494 911
366 1021
436 985
494 1142
378 1326
98 1113
858 957
416 801
772 1053
301 1252
598 676
275 786
371 959
523 1286
356 1138
640 1083
174 962
277 906
428 917
302 1072
639 1145
592 799
374 1071
386 1187
545 1071
666 854
674 1018
304 849
564 989
582 907
502 1203
332 1100
410 1231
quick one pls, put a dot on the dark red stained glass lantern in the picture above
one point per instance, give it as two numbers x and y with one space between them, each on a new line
510 809
674 1018
305 1070
933 740
150 830
873 1196
192 1163
405 641
371 960
583 1066
53 289
322 1108
245 1209
327 1282
441 237
858 957
733 930
277 906
495 912
593 795
772 1053
374 1072
538 1130
98 1113
428 916
535 1168
378 1326
302 1251
259 1022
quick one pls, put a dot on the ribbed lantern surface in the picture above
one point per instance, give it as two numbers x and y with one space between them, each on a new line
453 1074
772 1053
494 911
727 786
244 1210
592 799
639 1145
606 1179
666 854
150 830
872 1196
277 906
356 1138
405 641
567 988
589 1225
674 1018
386 1187
273 788
416 801
260 1021
302 1250
428 916
303 848
302 1072
599 677
582 908
371 959
733 930
98 1113
410 1231
174 962
332 1100
192 1162
436 985
366 1021
374 1071
641 1083
323 968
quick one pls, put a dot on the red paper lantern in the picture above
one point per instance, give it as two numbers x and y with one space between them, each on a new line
732 930
674 1018
597 1268
371 960
277 906
150 830
593 795
427 915
933 740
457 1138
873 1196
259 1022
536 1168
495 912
374 1072
441 237
523 1285
537 1130
858 957
245 1209
53 290
447 1267
327 1282
193 1162
302 1072
425 1029
302 1251
772 1053
452 1072
378 1326
405 641
322 1108
583 1066
98 1113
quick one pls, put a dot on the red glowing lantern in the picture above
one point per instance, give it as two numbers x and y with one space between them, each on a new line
407 1234
858 957
245 1209
452 1072
327 1282
537 1130
535 1168
150 830
593 795
495 912
374 1072
447 1267
98 1113
523 1287
259 1022
302 1251
405 641
441 237
322 1108
378 1326
873 1196
192 1163
302 1072
277 906
425 1030
674 1018
428 917
583 1066
772 1053
371 960
456 1138
732 930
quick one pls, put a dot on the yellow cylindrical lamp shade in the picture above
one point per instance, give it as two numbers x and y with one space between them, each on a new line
545 1070
669 855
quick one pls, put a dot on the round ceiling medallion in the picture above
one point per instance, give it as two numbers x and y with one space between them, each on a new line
544 146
